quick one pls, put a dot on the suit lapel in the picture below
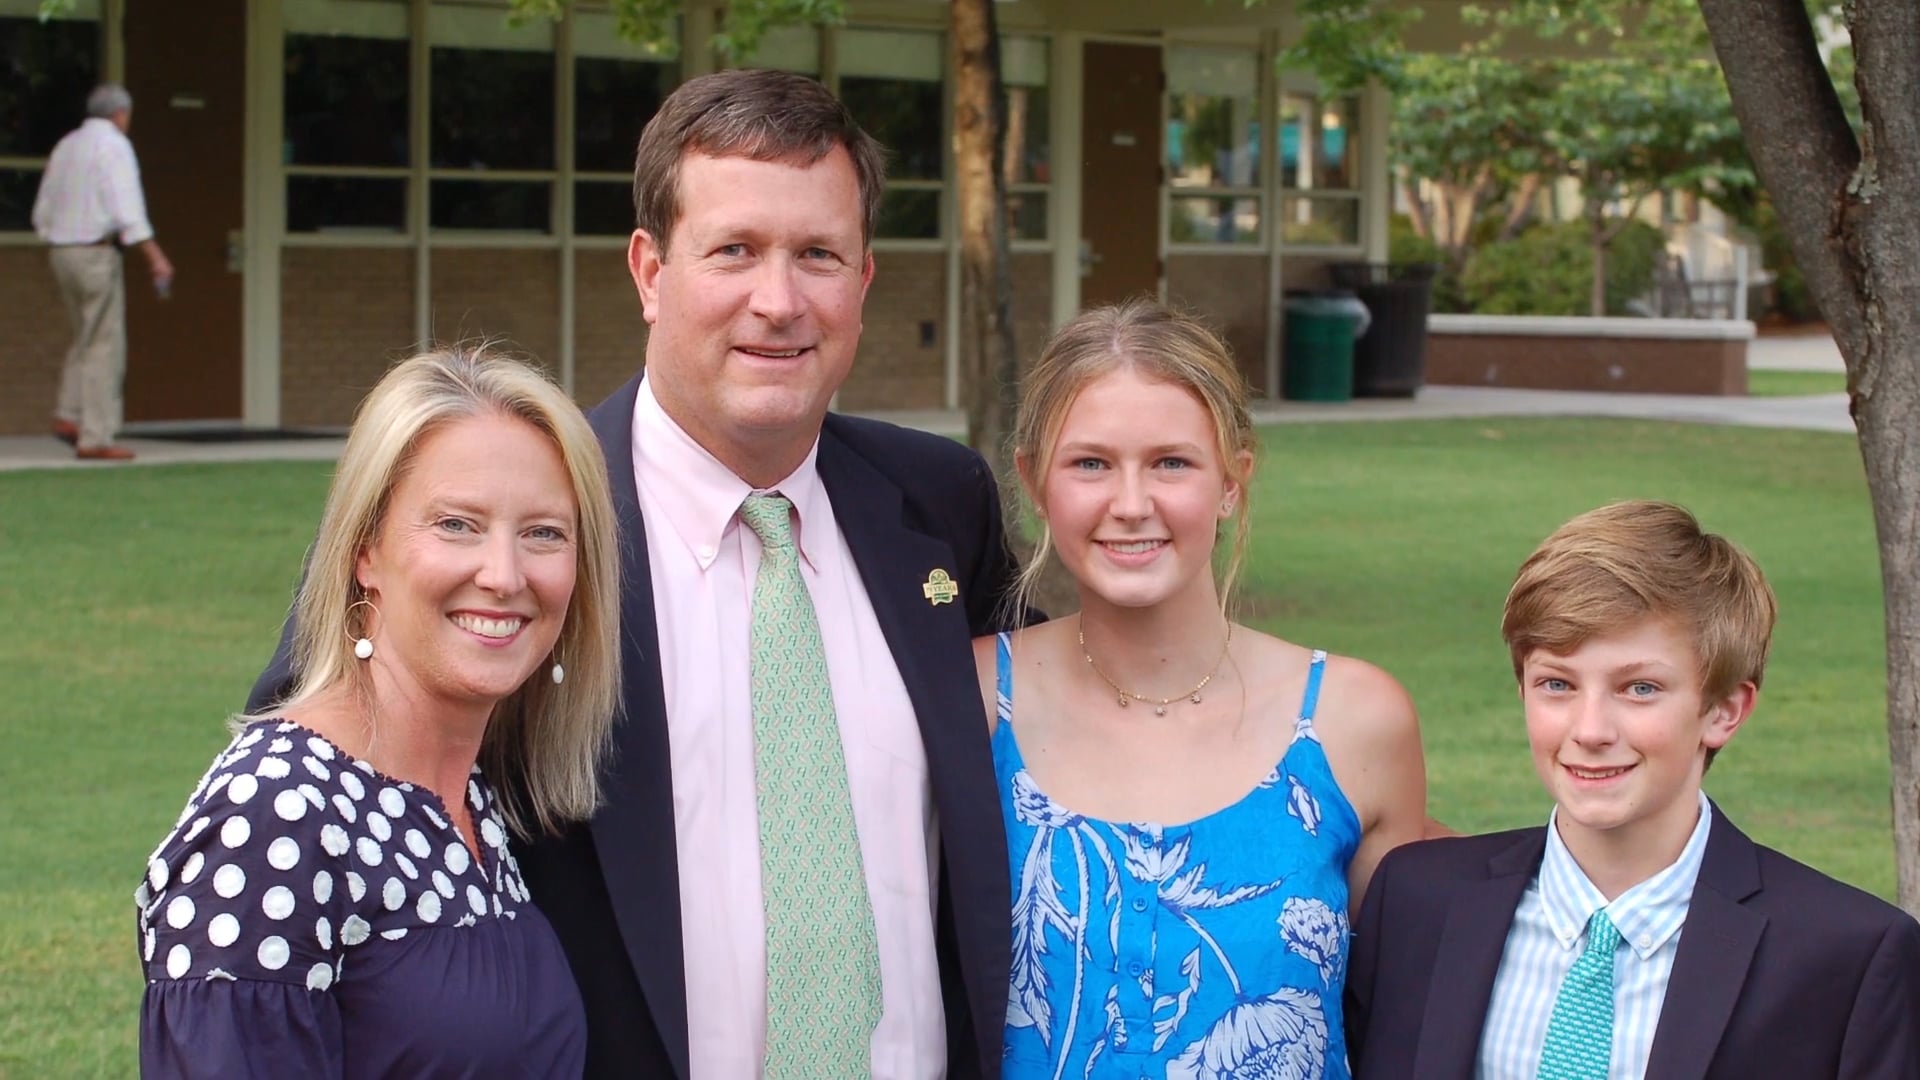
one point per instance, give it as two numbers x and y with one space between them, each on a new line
633 833
1716 949
1468 958
931 646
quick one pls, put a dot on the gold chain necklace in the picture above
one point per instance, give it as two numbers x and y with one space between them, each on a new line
1128 697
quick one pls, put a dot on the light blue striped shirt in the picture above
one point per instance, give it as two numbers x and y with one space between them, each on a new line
1550 931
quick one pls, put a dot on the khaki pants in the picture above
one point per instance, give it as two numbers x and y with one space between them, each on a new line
94 290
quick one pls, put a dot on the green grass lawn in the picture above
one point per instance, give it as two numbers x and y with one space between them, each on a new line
142 602
1767 383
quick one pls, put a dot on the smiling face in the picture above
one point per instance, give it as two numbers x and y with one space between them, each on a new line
1134 491
1619 730
474 564
755 309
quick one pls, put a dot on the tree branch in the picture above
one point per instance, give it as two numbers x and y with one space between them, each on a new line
1798 136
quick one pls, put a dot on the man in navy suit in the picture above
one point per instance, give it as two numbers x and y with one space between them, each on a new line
1640 934
756 197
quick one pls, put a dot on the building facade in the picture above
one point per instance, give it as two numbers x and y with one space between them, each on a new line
338 180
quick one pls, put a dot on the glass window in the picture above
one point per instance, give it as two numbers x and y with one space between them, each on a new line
1027 215
1213 145
1319 142
346 204
909 214
346 83
1214 220
602 208
494 205
890 81
1023 68
46 70
1213 125
492 99
17 190
1329 221
617 89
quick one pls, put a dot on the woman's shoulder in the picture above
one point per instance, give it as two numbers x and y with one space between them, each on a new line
1353 702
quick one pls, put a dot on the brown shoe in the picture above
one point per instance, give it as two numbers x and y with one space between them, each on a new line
104 453
67 432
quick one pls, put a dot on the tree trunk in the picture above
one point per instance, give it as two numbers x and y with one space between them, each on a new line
1597 239
1417 212
1520 207
990 360
1851 209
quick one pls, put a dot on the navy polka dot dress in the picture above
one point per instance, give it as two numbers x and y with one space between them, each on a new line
309 916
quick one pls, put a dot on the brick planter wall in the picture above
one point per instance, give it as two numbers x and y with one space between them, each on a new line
1646 356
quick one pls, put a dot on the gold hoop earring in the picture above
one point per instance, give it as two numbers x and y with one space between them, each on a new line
362 643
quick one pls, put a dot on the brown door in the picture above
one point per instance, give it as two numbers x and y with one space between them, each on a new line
187 74
1120 173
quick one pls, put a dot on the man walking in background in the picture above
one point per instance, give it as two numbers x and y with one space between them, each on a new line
89 207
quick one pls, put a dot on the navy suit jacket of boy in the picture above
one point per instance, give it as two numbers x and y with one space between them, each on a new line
1782 972
909 504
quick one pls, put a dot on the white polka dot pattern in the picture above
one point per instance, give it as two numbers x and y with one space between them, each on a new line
262 876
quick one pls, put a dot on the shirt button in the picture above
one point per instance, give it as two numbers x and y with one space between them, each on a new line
1134 969
1139 903
705 552
1646 943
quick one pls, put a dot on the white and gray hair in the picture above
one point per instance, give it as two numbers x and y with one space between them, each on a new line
108 99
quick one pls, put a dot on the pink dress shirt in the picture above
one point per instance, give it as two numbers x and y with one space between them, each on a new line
91 189
703 562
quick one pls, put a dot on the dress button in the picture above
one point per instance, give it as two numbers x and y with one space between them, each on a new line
1134 969
1139 903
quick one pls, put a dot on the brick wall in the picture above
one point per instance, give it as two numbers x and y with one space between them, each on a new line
33 328
509 296
897 368
609 336
1231 292
346 314
1629 365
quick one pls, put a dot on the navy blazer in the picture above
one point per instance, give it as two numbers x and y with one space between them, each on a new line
909 504
1781 971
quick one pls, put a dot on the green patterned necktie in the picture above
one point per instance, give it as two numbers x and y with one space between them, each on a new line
823 960
1579 1042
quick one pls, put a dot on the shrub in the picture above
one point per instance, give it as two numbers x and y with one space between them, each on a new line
1548 270
1406 246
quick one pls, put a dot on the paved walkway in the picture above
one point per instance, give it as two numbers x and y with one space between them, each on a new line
1824 412
1794 352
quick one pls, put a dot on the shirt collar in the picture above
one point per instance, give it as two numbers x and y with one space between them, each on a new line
1647 915
701 497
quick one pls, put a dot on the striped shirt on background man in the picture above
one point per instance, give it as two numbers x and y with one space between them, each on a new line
1548 935
91 189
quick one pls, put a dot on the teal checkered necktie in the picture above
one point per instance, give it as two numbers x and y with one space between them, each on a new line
1579 1041
823 961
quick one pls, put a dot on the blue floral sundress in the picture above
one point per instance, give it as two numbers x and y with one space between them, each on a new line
1214 949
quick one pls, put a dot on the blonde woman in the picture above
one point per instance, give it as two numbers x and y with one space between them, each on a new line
1192 806
340 895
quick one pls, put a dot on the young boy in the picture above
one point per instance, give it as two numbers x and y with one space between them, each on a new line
1640 933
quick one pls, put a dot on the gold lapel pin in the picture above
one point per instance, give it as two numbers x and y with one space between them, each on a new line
940 588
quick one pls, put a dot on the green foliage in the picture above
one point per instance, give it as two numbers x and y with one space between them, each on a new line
1549 271
1792 298
652 23
1347 43
1407 246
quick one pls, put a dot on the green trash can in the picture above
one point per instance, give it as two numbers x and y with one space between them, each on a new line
1317 364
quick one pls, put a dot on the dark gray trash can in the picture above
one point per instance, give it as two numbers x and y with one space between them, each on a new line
1391 360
